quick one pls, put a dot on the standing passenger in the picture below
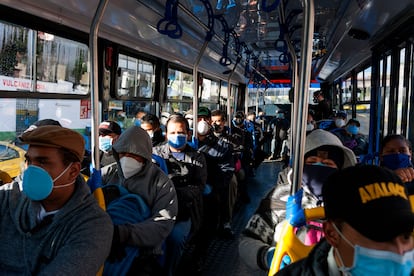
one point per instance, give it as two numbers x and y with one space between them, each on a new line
322 109
50 219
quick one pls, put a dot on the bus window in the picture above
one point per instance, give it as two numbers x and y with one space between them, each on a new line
61 65
211 92
180 89
135 77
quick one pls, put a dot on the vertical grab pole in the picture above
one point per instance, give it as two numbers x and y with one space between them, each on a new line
229 98
93 46
300 107
293 109
195 95
302 98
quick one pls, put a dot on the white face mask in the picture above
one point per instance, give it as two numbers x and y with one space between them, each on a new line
130 166
309 127
339 123
203 127
150 133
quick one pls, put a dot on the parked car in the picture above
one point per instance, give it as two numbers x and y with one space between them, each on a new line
11 158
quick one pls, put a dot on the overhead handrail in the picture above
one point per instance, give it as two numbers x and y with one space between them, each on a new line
224 60
238 59
209 36
169 24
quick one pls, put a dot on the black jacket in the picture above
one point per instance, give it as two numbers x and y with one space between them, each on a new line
316 264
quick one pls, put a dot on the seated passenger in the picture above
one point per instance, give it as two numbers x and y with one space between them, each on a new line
151 124
324 154
351 138
395 154
50 223
368 227
139 175
187 169
109 132
138 117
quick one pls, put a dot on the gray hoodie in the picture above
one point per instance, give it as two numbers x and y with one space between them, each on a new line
258 236
75 242
153 185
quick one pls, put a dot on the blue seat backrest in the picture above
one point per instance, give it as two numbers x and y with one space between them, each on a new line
124 208
160 162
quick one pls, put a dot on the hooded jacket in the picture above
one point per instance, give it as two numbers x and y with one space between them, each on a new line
153 185
75 241
258 236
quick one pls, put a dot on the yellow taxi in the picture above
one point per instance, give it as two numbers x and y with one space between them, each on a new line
11 158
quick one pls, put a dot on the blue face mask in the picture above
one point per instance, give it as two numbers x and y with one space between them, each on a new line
396 161
369 261
177 141
38 184
314 176
137 122
105 143
353 129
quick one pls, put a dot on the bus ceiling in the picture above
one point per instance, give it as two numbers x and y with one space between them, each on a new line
259 36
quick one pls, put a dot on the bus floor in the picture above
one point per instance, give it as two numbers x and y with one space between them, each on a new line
223 255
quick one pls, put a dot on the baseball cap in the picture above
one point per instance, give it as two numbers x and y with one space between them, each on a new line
372 199
108 127
204 111
44 122
56 137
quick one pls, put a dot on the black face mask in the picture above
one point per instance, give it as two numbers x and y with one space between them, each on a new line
314 176
216 128
238 121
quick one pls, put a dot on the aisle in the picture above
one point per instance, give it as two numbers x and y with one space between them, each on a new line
223 258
